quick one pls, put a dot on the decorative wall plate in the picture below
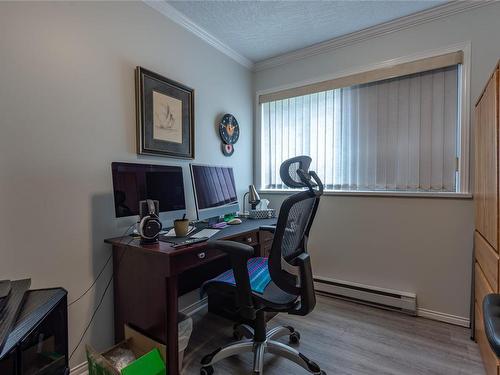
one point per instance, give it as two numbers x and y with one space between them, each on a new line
229 129
227 150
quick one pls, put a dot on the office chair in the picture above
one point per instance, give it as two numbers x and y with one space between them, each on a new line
289 287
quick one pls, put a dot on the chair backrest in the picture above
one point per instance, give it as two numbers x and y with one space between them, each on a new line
289 262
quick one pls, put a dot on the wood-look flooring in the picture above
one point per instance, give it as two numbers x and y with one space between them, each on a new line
348 338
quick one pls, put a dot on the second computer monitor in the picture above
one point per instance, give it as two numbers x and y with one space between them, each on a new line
214 191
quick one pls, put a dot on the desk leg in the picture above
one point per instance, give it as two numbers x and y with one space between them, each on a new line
172 328
117 287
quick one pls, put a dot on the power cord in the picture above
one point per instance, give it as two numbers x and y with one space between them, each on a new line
103 294
100 272
91 319
93 283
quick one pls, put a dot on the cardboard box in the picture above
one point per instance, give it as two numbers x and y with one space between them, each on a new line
150 356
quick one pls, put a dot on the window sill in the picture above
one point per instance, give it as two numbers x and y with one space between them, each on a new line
398 194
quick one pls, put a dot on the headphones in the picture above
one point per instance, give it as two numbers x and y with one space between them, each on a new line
150 225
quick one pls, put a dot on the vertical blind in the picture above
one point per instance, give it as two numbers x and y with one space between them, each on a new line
394 134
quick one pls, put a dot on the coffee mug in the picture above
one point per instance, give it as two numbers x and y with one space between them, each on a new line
181 227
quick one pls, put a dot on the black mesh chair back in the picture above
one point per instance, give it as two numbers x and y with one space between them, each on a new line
291 290
289 262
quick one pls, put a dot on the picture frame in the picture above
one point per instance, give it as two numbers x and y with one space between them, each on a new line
165 116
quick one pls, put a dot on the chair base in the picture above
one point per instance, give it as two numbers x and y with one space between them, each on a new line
269 345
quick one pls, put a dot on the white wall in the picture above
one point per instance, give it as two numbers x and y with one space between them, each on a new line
67 110
418 245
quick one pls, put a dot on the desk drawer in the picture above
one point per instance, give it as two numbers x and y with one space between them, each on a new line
487 258
194 258
482 288
248 239
266 242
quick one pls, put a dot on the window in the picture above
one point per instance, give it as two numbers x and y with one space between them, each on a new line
386 132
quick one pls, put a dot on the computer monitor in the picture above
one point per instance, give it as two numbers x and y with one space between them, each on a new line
135 182
214 191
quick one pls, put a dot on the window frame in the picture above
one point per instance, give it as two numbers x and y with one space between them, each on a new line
464 141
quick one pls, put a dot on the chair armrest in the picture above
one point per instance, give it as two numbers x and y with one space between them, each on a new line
232 248
268 228
239 254
306 289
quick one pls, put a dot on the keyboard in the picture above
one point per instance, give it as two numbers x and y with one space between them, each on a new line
205 233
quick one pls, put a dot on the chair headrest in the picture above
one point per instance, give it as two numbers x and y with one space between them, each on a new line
289 168
295 174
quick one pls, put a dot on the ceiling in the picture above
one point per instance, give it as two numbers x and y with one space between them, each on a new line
259 30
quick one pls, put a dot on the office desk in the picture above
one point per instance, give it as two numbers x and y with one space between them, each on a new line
148 280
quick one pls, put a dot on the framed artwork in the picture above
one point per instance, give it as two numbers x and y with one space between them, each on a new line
165 116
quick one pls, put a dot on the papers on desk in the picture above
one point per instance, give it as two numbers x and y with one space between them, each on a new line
171 232
202 233
205 233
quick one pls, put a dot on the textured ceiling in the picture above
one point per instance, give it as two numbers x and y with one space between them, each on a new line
262 29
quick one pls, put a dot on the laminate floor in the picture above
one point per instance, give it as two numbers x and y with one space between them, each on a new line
348 338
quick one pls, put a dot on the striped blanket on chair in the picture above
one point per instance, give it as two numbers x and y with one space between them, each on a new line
257 272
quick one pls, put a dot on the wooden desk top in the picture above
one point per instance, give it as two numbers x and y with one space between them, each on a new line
247 226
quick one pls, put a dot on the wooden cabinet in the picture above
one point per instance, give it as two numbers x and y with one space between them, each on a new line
486 241
487 260
486 128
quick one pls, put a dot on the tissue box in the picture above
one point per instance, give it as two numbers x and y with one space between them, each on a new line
262 214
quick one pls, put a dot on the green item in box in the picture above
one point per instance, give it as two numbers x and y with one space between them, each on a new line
149 364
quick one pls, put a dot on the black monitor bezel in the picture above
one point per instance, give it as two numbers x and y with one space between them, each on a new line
115 165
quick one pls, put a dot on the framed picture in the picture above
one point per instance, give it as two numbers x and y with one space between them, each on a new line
165 116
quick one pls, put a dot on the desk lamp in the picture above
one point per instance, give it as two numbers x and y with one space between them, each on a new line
253 198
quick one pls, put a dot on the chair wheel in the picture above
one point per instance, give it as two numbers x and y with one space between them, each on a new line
313 366
295 337
209 370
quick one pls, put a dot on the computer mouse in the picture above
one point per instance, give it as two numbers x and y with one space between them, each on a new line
234 221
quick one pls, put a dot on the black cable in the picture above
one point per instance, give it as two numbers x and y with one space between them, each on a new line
100 272
102 297
92 318
94 282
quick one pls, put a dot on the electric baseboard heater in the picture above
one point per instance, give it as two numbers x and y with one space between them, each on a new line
389 299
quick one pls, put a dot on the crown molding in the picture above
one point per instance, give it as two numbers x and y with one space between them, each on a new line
174 15
398 24
402 23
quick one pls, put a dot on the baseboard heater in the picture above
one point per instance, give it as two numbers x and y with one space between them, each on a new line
404 302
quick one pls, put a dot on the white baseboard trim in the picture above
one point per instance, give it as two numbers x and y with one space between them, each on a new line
443 317
80 369
367 294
